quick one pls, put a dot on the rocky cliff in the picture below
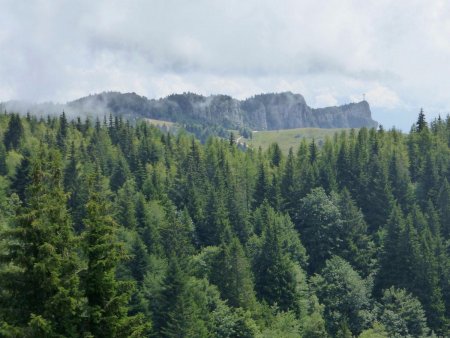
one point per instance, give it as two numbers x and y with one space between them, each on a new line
287 110
261 112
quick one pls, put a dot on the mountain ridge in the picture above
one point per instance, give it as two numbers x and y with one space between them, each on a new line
270 111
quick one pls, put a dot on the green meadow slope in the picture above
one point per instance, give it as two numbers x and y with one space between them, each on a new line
289 137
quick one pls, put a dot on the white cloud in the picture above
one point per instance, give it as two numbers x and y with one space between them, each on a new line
329 51
384 97
380 97
325 100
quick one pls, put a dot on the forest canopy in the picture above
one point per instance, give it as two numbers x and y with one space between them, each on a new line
117 229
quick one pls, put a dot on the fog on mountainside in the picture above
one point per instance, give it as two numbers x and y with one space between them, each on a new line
270 111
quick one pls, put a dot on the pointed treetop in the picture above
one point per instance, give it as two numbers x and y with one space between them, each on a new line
421 122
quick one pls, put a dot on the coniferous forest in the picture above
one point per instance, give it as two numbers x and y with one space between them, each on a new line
114 229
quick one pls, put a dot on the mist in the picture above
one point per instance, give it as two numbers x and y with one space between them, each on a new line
331 52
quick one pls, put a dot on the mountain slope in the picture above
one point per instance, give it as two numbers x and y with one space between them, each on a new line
261 112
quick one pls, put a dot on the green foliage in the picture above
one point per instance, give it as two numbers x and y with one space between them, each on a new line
42 275
346 297
3 165
231 273
444 208
118 229
107 298
182 306
402 314
283 324
393 268
277 281
314 323
14 133
319 221
357 247
21 179
289 238
377 331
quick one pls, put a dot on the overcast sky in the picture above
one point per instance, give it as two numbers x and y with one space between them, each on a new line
397 52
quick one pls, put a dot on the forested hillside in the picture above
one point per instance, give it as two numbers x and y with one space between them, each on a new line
271 111
110 229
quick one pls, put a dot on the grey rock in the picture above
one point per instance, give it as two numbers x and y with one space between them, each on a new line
260 112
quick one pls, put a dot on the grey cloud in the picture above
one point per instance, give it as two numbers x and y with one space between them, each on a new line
59 50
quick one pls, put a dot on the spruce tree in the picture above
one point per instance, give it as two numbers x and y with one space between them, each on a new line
120 174
402 314
14 133
75 185
346 297
3 166
43 278
400 181
107 298
421 123
275 279
138 264
427 282
125 205
22 177
443 206
177 233
356 247
261 188
176 314
428 181
376 202
62 132
287 187
231 273
319 222
216 219
275 154
343 165
313 152
401 256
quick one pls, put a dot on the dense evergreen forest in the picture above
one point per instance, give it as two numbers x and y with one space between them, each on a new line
109 229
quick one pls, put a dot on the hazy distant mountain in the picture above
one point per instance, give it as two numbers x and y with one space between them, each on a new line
261 112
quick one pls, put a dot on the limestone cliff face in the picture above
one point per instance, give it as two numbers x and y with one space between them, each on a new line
287 110
352 115
261 112
276 111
